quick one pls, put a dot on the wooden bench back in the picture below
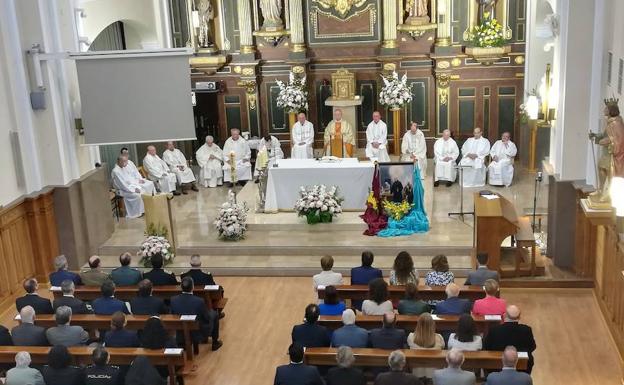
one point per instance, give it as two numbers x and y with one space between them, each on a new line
396 292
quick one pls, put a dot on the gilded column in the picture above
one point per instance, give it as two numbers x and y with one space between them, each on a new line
295 9
443 38
389 24
244 25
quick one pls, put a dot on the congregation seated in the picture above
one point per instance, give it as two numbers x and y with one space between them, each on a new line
155 336
397 374
482 273
124 275
509 375
58 371
403 271
327 277
118 336
453 373
142 372
424 337
78 307
362 275
466 337
310 334
349 334
378 302
22 373
332 305
5 337
158 276
146 304
199 277
57 277
345 373
388 336
490 305
511 333
411 304
107 304
94 276
41 305
63 333
100 372
439 274
27 333
453 305
296 372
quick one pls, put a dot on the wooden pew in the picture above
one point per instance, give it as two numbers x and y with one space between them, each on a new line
82 356
415 358
360 292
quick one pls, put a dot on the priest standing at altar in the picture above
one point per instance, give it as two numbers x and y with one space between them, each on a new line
302 138
445 154
414 148
377 139
339 137
474 151
236 150
210 160
158 172
273 148
502 154
179 166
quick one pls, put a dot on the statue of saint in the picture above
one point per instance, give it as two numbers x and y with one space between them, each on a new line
417 11
487 9
206 14
272 14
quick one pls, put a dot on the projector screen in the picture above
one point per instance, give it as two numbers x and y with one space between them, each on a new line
135 96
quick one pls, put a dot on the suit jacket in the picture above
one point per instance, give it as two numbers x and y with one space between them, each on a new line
77 306
345 376
189 304
70 375
199 277
388 338
18 376
511 333
311 335
5 337
94 277
297 374
453 305
126 276
57 277
453 376
107 306
480 275
362 275
121 339
67 335
397 378
160 277
508 377
350 335
148 306
41 305
26 334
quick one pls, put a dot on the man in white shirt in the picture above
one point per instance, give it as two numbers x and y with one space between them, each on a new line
158 172
178 165
445 153
414 148
474 151
502 154
377 139
273 148
210 158
302 138
236 150
130 187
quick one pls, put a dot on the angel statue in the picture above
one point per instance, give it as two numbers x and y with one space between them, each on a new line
206 14
272 14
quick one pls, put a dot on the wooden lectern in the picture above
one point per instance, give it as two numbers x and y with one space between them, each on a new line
158 212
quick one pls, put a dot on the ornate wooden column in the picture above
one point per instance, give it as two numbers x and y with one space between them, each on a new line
389 44
245 27
297 41
443 34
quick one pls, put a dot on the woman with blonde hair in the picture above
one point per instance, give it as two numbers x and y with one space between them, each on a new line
425 337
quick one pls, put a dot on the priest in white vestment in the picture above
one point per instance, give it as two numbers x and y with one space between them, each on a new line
377 139
273 148
179 166
158 171
474 151
210 160
302 138
502 154
237 146
130 187
445 154
414 148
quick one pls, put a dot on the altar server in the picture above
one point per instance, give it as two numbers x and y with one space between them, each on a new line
339 137
178 165
502 154
242 155
474 151
210 160
414 148
445 154
158 172
130 187
377 139
274 150
302 138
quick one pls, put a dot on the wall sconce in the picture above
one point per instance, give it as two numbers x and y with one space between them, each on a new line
532 107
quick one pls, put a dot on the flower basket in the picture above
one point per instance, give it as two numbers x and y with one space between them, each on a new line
318 203
231 221
489 43
395 93
155 244
488 55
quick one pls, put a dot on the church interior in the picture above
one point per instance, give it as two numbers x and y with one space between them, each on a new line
266 155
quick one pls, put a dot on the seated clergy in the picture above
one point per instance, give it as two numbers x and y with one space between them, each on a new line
178 165
68 299
274 150
94 276
27 333
302 138
414 148
210 160
130 185
502 154
237 156
147 186
339 137
445 153
158 172
41 305
377 139
474 151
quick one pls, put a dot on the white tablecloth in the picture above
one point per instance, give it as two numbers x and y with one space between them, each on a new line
352 178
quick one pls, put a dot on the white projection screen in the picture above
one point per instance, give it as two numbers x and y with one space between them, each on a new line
135 96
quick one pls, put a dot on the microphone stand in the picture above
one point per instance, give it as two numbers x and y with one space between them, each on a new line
461 212
538 179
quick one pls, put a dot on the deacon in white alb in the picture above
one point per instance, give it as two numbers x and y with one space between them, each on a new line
377 139
445 153
210 158
273 148
242 158
130 187
158 172
414 149
501 170
178 165
302 138
474 151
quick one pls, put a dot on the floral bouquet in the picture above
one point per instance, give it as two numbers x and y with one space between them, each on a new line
523 115
395 91
156 242
397 210
318 203
488 34
293 97
231 222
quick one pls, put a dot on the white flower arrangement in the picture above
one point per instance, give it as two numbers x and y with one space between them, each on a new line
231 222
318 203
293 97
155 244
395 92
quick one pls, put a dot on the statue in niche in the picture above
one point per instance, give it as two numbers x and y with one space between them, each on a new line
417 11
206 14
487 10
272 14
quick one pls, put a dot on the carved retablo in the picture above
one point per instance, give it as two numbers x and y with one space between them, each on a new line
342 7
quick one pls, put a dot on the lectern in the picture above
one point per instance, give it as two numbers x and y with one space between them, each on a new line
158 213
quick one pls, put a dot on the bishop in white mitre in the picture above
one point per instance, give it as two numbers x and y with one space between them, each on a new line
445 154
377 139
236 150
302 138
273 148
414 149
158 172
130 185
474 151
179 166
210 160
502 154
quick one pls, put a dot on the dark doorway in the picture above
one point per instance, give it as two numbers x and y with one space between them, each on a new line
206 112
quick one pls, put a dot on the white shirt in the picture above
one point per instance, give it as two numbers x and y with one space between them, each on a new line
476 344
370 307
326 278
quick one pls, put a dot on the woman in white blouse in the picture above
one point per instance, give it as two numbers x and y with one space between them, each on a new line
327 277
466 337
425 337
378 304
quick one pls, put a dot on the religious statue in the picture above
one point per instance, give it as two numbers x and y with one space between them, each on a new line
206 14
487 9
272 14
417 8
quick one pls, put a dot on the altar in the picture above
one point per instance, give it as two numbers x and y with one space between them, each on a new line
353 179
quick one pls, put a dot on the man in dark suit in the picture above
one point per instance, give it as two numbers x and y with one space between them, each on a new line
100 373
297 373
310 334
388 337
511 333
41 305
482 273
125 275
64 333
107 304
68 299
5 337
27 333
509 375
144 303
189 304
61 273
118 336
397 375
453 304
364 274
344 373
157 275
199 277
